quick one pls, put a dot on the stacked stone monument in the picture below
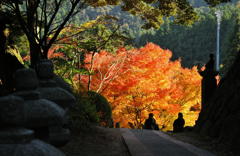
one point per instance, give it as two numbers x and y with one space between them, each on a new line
49 90
26 109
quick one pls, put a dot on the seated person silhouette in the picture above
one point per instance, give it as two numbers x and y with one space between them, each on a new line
150 123
178 124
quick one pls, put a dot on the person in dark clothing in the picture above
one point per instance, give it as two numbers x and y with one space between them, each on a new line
178 124
150 123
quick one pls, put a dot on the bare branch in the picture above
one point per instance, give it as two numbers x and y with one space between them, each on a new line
49 23
21 21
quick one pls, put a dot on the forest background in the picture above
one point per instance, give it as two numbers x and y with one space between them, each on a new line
138 77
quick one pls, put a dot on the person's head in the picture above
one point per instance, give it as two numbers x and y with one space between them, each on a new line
180 115
150 115
211 56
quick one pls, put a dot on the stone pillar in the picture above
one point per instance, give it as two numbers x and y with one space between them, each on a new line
209 82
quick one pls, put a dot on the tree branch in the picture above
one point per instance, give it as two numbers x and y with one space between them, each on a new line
74 4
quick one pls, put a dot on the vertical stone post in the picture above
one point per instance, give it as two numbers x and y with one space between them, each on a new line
209 82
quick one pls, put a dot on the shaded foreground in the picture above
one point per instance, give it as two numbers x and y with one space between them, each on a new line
156 143
96 142
220 119
203 142
109 142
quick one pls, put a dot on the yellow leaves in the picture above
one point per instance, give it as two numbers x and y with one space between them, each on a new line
75 30
13 51
69 32
168 8
99 3
87 25
96 3
6 32
113 2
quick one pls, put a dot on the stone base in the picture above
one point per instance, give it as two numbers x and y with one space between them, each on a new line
58 95
59 137
33 148
15 135
42 113
18 142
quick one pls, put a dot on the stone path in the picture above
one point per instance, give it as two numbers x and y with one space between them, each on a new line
156 143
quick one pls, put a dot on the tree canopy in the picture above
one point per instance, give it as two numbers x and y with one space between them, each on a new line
39 19
153 11
194 44
140 81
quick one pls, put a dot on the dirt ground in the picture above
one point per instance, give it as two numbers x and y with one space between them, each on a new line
96 142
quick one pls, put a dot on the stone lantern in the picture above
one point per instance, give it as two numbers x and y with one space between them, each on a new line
43 116
16 140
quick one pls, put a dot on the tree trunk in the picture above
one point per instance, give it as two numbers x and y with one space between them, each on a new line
35 54
2 38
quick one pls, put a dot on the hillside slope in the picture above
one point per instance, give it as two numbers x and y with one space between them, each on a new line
221 117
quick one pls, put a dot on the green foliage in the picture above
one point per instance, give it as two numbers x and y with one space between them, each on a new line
84 113
234 49
91 108
22 45
76 41
103 36
42 21
153 11
103 108
216 2
194 44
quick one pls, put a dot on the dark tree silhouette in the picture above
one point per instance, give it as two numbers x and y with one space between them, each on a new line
8 63
41 24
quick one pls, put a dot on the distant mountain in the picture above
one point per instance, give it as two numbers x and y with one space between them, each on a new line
191 44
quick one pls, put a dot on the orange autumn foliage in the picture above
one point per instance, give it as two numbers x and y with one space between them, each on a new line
52 53
139 81
106 67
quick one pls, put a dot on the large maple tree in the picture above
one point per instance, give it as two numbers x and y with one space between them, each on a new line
139 81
